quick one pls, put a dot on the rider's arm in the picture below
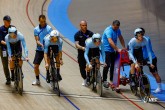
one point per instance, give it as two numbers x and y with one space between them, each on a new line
122 41
46 52
149 52
103 52
60 49
86 54
130 51
8 46
24 46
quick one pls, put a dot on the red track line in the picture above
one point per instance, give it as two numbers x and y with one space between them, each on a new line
76 60
132 102
27 12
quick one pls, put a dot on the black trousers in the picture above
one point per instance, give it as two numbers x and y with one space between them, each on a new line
110 60
82 65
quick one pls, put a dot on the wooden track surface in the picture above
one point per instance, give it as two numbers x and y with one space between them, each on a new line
42 97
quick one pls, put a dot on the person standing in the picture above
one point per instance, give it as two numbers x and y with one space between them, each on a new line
39 33
80 38
3 49
110 35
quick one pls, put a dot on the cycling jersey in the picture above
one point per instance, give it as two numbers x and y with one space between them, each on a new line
19 38
133 44
89 44
145 53
109 32
47 43
41 32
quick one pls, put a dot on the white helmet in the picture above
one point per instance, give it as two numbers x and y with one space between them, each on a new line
12 30
138 30
96 37
54 33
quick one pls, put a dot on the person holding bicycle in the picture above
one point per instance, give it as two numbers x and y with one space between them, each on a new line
94 46
54 42
154 70
135 51
110 37
40 32
14 41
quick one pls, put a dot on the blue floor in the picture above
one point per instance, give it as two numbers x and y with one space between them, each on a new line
58 15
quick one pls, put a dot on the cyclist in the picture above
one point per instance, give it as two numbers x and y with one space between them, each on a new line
80 38
54 42
136 54
14 41
93 47
110 37
39 33
154 70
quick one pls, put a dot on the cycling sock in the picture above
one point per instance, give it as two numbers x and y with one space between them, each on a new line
12 73
159 85
37 77
47 72
58 70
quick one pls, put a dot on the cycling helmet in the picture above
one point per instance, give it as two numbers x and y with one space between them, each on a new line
142 30
96 37
137 31
54 33
12 30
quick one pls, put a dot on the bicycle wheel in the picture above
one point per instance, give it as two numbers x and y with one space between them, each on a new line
15 79
134 88
99 83
144 86
92 79
20 80
55 80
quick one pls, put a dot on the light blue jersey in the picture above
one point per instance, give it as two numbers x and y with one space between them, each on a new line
145 53
109 32
89 44
41 33
47 43
133 44
19 37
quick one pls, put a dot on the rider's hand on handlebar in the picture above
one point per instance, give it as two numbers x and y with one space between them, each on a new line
136 66
152 66
61 62
90 66
27 59
105 64
46 65
10 59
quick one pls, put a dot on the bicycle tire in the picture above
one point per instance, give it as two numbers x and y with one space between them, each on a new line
20 80
134 89
55 80
99 87
144 88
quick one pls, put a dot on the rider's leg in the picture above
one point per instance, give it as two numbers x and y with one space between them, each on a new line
58 67
11 63
47 71
132 74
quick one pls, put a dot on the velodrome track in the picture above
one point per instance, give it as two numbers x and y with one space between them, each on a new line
24 16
